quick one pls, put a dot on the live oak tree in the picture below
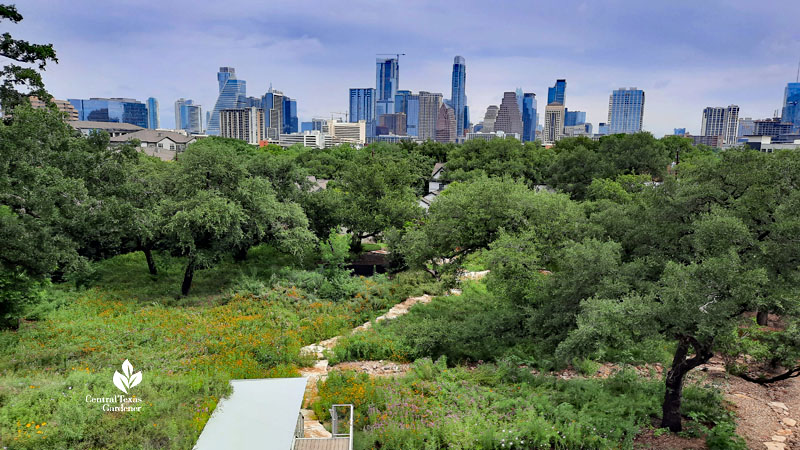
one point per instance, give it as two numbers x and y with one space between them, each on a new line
214 207
14 76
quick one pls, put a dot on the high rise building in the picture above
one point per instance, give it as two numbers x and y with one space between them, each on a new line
63 106
520 96
529 119
490 118
153 120
774 127
429 104
553 123
572 118
272 104
747 127
188 116
232 95
557 93
602 129
124 110
625 110
387 80
678 131
791 105
509 119
412 115
458 98
721 121
246 124
446 124
401 101
394 123
290 122
362 107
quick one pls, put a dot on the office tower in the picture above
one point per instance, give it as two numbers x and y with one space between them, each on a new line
246 124
412 115
572 118
394 123
401 101
529 119
362 107
317 124
446 124
490 118
520 96
429 104
153 121
289 116
458 97
305 126
553 123
720 121
232 95
625 110
791 105
346 132
774 127
678 131
124 110
274 119
509 119
602 129
557 93
747 127
387 80
188 116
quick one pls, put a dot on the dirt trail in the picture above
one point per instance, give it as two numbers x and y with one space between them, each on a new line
311 426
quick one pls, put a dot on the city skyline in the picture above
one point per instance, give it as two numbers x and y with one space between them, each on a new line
678 59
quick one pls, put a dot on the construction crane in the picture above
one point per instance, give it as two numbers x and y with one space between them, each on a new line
397 55
340 113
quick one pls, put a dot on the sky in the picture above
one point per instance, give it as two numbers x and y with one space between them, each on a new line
685 55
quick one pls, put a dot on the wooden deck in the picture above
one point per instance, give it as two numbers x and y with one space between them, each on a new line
322 444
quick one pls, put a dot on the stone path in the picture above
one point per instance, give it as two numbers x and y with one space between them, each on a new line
311 425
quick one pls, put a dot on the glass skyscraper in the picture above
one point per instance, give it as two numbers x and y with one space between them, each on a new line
153 121
188 116
232 95
625 110
458 97
572 118
557 93
290 124
387 80
529 119
401 101
123 110
791 105
362 107
412 115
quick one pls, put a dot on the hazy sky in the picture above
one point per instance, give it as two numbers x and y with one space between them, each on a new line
685 54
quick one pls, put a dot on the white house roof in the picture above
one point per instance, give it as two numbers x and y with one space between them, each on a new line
259 414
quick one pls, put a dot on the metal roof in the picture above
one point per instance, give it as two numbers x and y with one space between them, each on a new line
260 413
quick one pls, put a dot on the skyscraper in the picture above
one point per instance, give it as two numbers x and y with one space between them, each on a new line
124 110
625 110
553 123
509 119
387 80
362 107
720 121
520 95
747 127
458 98
188 116
246 124
572 118
232 95
429 104
490 118
401 101
557 93
791 105
446 124
412 115
529 119
153 121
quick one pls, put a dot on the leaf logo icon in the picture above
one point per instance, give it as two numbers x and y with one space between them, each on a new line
127 379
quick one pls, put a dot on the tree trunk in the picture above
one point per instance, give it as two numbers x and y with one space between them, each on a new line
151 263
762 317
355 243
187 278
671 407
240 254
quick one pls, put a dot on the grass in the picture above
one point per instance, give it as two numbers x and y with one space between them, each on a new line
187 349
503 406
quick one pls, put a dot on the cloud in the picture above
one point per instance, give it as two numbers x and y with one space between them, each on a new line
685 55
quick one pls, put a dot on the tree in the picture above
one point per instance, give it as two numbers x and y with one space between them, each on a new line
499 158
13 75
215 208
379 190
